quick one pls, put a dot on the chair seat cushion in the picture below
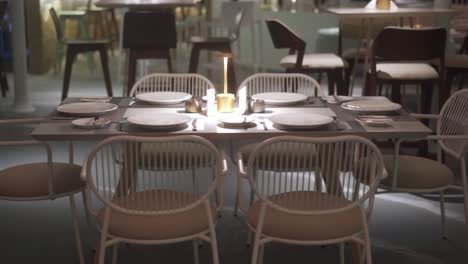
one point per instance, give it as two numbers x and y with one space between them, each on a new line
147 227
417 173
31 180
406 71
307 227
314 61
459 61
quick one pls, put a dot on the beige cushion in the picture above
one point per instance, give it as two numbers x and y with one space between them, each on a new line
417 173
31 180
307 227
141 227
406 71
454 61
314 61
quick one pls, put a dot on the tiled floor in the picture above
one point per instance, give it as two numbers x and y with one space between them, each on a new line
404 228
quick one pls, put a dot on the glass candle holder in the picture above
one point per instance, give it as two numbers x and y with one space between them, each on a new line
383 4
225 102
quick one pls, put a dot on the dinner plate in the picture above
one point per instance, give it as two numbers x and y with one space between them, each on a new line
337 99
104 99
86 108
91 122
300 120
280 98
165 98
375 120
163 121
374 106
231 119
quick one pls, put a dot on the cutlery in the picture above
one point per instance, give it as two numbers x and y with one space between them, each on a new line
132 101
194 124
245 122
64 117
262 121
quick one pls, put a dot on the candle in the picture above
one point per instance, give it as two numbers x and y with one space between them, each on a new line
225 100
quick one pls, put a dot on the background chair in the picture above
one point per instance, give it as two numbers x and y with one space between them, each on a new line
298 61
155 197
217 43
264 83
147 42
194 84
43 180
303 199
75 47
415 174
400 56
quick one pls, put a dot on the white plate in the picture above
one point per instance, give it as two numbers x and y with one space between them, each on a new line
232 119
86 108
104 99
163 121
91 122
341 99
280 98
165 98
301 121
371 106
375 120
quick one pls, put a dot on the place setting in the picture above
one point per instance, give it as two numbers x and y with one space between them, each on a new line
163 98
236 121
287 99
165 122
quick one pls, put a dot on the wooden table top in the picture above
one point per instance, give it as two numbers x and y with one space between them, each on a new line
400 12
145 4
404 126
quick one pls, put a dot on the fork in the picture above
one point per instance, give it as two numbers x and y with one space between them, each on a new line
262 121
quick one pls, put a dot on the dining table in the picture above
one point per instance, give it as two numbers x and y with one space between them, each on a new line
369 14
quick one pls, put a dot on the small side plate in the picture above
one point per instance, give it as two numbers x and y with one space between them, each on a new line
376 120
91 122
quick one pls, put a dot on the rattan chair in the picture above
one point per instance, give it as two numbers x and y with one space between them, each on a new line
43 180
155 197
272 82
192 83
303 198
415 174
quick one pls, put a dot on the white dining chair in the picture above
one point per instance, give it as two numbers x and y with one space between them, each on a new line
271 82
415 174
41 180
158 197
302 197
194 84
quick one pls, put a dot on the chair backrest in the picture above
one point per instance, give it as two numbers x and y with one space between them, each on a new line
145 30
453 121
172 175
284 38
57 26
281 82
309 170
194 84
409 44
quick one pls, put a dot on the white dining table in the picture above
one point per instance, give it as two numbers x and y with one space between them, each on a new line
368 14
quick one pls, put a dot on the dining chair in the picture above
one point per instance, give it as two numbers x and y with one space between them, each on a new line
271 82
217 43
302 198
157 197
75 47
400 56
300 62
147 42
413 174
41 180
191 83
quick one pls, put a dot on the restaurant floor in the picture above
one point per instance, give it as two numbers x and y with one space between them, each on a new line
404 228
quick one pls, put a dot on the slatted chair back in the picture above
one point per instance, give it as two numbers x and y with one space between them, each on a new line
194 84
178 174
453 121
306 172
281 82
285 38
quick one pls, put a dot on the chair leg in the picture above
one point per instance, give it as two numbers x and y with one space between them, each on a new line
340 86
465 187
169 62
261 253
442 215
342 257
76 228
115 253
196 257
105 70
68 70
85 203
101 249
396 93
331 82
213 241
194 57
238 194
131 71
426 98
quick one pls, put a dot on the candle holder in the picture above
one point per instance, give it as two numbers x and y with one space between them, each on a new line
383 4
225 100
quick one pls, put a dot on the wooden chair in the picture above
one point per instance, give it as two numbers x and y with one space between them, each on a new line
160 196
147 42
400 56
302 197
297 61
42 180
75 47
221 44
